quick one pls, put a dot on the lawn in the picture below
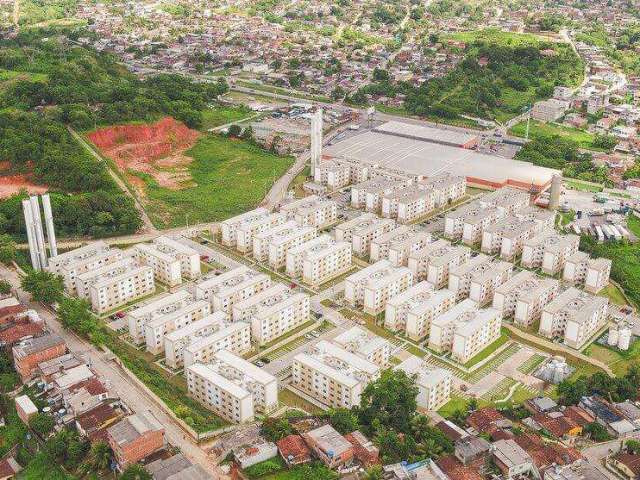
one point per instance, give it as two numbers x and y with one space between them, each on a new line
583 186
617 360
13 431
231 176
216 116
502 339
633 224
455 404
496 36
614 294
287 397
539 129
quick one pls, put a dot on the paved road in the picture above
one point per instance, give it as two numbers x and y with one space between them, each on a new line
596 454
136 398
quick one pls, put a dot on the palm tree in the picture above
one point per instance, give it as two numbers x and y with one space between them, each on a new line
135 472
100 456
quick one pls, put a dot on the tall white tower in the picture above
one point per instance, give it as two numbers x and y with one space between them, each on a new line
316 140
31 235
35 233
37 223
48 220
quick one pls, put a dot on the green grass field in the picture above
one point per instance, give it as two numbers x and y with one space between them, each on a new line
617 360
539 129
231 176
583 186
494 35
216 116
502 339
453 405
614 294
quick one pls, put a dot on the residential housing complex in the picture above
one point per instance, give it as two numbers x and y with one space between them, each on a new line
398 244
434 384
592 273
156 329
524 296
319 260
236 285
143 314
434 261
549 250
365 344
311 211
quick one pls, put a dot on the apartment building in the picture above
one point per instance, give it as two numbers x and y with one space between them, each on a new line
468 222
231 287
465 330
398 244
57 262
461 275
115 284
363 230
188 257
91 259
175 342
140 316
507 237
593 273
156 329
234 337
229 227
408 203
508 199
373 286
232 387
319 260
332 375
311 211
336 174
524 296
434 261
281 242
575 316
344 231
246 230
273 312
549 110
369 194
287 235
166 269
446 188
549 250
434 384
487 278
365 344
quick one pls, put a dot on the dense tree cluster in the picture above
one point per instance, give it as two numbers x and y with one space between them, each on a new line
616 389
43 286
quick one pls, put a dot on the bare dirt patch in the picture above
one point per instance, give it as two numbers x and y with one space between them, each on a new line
155 149
11 183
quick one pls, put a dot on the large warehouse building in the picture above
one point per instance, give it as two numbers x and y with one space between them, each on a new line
428 151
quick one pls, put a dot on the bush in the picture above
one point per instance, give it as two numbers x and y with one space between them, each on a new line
265 468
42 424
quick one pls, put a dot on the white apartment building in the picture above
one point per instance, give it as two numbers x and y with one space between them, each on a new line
140 316
369 194
465 330
231 287
284 233
332 375
446 188
229 227
593 273
282 241
311 211
74 266
468 222
434 384
273 312
87 252
363 230
408 203
508 199
175 342
188 257
489 277
156 329
460 276
336 174
344 231
373 286
507 237
575 316
166 269
398 244
365 344
246 230
234 337
232 387
115 284
319 260
523 296
549 250
434 261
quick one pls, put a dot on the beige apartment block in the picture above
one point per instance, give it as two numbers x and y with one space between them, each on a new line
508 199
417 311
115 284
398 244
284 234
166 269
336 174
523 296
363 230
593 273
140 316
332 375
229 227
156 329
489 277
447 188
282 241
246 230
232 387
344 231
188 257
434 384
273 312
373 286
369 194
408 203
549 250
549 110
231 287
176 341
507 237
234 337
461 275
468 222
91 259
434 261
311 211
56 263
575 316
319 260
465 330
365 344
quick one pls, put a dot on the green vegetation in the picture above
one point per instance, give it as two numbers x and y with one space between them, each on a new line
231 176
614 294
14 431
455 404
37 11
268 470
8 250
135 471
262 469
42 424
537 129
531 363
216 116
597 432
42 467
274 429
9 379
618 389
43 286
489 350
519 71
583 186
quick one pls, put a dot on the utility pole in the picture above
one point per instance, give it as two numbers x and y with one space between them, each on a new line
528 121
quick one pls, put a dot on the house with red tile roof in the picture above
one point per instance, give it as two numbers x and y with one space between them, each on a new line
11 335
485 419
294 450
453 468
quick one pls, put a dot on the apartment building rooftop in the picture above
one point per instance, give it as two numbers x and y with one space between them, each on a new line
577 304
379 273
527 284
109 271
510 227
263 302
247 216
361 221
81 253
378 185
280 233
444 255
408 193
216 319
552 241
475 265
169 316
426 376
173 247
155 251
472 213
158 304
226 329
232 280
336 362
399 236
359 340
466 316
237 370
490 269
443 180
505 197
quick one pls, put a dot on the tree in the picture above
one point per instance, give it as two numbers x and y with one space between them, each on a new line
606 142
7 249
633 446
5 287
390 401
43 286
135 471
343 420
74 315
373 473
100 456
42 423
273 429
597 432
234 130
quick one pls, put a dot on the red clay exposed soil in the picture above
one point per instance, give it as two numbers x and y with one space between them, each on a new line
156 149
11 184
